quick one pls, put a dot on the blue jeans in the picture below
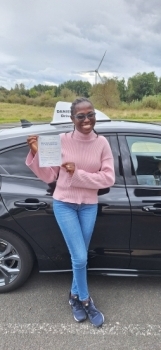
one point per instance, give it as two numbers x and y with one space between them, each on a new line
76 222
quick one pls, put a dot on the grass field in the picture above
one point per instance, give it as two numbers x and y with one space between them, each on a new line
10 113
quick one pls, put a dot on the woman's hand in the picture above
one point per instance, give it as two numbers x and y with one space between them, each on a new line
70 167
33 143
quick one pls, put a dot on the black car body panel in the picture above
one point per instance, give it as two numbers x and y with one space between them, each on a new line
127 234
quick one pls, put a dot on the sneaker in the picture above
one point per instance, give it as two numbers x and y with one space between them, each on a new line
77 308
95 316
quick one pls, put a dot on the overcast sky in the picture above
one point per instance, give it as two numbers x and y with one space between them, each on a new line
52 41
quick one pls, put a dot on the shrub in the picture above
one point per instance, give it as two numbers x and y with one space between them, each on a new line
150 102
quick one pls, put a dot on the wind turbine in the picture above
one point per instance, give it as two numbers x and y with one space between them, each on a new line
96 70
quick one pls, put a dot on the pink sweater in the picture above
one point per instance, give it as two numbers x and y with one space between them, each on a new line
94 168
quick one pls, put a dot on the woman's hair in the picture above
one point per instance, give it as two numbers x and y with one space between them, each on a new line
77 101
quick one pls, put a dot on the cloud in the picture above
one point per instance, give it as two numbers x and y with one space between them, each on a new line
55 41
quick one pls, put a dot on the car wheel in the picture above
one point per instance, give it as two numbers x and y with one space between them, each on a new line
16 261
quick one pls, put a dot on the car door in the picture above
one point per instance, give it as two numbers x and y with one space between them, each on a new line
29 201
141 155
109 246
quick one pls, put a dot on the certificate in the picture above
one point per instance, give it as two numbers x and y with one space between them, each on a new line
49 150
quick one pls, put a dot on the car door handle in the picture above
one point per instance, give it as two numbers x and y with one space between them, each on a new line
151 208
34 204
105 208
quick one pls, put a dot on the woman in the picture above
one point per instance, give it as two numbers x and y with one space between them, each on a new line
87 166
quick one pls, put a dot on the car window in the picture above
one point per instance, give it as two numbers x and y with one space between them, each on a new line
146 159
13 162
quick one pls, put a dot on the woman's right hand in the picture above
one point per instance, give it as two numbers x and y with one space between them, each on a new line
33 143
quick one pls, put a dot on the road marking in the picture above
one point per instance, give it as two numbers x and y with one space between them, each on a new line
47 328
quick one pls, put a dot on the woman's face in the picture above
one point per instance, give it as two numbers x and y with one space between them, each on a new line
85 125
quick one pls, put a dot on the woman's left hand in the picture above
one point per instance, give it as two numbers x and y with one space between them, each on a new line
70 167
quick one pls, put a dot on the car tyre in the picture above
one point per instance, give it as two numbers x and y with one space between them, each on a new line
16 261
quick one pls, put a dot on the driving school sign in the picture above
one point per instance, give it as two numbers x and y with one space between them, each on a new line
62 113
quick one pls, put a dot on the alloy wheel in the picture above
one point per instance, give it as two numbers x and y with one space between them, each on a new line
10 263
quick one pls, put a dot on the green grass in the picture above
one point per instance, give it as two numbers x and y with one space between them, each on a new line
144 115
10 113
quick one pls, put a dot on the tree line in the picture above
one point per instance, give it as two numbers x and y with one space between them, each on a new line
143 89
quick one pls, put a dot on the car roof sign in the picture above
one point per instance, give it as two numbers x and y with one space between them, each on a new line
62 114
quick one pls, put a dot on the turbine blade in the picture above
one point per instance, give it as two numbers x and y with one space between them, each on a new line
90 71
101 60
100 77
87 71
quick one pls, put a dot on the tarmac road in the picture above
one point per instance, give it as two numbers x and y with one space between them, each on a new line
13 125
38 316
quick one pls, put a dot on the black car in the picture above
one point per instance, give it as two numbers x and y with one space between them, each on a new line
127 236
